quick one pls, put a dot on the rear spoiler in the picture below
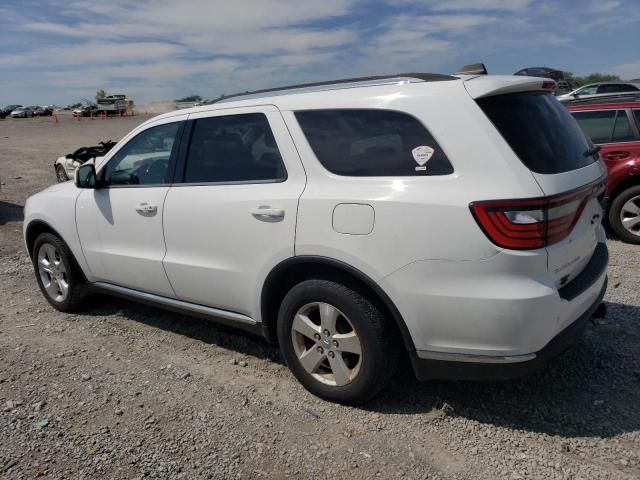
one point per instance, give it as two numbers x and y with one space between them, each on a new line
472 69
489 85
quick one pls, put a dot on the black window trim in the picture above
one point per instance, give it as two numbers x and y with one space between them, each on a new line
404 112
183 154
171 168
635 126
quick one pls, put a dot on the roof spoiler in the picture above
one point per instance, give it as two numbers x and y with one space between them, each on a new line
472 69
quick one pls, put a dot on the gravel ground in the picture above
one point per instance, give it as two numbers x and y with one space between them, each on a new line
128 391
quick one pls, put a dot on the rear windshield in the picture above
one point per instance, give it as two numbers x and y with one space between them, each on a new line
539 130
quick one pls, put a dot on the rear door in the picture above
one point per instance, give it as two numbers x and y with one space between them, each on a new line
614 130
551 144
231 215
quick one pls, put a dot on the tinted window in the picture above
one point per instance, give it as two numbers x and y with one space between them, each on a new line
616 88
598 125
637 115
539 130
144 160
622 131
365 143
234 148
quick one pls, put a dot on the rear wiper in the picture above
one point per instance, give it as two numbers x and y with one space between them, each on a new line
592 152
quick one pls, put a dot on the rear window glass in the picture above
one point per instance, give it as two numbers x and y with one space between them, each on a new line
539 130
605 126
368 142
598 125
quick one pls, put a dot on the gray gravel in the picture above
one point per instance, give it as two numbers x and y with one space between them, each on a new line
128 391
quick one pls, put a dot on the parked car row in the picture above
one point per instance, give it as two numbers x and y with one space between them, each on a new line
19 111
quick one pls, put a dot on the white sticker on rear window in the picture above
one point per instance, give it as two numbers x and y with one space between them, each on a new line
422 154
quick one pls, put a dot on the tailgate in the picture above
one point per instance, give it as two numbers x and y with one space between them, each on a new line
568 257
549 142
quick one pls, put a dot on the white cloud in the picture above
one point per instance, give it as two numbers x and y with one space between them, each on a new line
496 5
627 71
602 6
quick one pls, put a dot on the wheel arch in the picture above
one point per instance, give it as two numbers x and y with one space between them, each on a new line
296 269
35 228
628 182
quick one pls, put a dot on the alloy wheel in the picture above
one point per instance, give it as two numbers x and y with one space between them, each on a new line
630 215
326 344
53 273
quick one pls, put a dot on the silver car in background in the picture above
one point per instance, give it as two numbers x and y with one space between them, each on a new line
22 112
601 90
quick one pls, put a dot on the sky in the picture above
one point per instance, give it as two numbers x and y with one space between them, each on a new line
61 51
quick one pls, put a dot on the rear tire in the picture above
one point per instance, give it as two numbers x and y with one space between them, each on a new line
336 343
624 215
58 274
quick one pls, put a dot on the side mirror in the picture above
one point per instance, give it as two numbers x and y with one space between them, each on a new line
86 176
575 95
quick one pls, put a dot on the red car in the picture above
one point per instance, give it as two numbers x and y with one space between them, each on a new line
615 127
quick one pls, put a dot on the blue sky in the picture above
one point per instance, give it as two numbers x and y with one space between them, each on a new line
61 51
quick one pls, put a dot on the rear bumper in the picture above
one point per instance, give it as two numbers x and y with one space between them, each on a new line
479 367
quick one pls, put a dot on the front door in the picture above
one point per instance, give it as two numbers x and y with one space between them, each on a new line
233 217
120 223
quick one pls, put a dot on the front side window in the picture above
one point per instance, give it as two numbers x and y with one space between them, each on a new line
588 90
144 160
368 142
233 148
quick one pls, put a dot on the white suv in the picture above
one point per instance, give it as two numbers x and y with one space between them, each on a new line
453 219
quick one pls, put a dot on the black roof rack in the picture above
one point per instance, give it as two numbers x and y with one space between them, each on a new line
425 77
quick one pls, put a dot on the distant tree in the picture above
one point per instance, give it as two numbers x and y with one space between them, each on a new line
190 98
100 94
75 105
591 78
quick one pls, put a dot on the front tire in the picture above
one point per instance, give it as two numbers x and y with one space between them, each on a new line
57 273
624 215
336 342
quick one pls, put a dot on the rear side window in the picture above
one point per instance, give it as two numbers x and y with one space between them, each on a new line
637 115
539 130
369 143
605 126
233 148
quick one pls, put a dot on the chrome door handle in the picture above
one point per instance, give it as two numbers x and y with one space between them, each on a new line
267 213
145 207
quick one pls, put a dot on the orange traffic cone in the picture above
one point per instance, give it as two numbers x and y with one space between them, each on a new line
55 118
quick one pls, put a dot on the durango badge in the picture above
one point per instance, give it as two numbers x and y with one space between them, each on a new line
421 155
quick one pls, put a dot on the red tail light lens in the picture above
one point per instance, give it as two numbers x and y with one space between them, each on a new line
533 223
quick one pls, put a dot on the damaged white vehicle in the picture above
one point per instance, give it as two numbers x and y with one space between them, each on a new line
66 165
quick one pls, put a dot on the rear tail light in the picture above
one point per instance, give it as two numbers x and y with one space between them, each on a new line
533 223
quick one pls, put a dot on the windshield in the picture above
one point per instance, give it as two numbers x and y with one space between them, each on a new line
539 130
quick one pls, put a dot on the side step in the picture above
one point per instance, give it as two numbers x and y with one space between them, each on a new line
224 317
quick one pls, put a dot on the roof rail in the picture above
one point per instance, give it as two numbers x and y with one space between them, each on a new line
620 98
338 84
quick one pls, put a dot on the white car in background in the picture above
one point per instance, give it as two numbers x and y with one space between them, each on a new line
66 166
451 219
